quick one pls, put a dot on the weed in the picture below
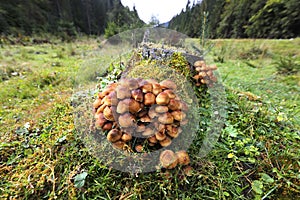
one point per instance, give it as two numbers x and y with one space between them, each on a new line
219 55
253 53
287 65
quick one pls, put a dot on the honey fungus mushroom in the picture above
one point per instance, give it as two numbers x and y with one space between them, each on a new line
145 86
146 111
114 135
108 114
204 73
168 159
149 99
162 98
126 120
166 118
183 157
126 137
137 95
166 142
123 92
129 104
168 84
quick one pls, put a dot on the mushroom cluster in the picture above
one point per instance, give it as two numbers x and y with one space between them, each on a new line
145 110
169 160
204 73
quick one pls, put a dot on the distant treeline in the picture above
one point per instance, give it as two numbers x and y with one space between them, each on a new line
67 17
240 19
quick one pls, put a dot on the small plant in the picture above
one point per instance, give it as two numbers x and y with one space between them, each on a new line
287 65
253 53
219 56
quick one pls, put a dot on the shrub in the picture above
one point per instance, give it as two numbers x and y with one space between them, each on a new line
253 53
287 65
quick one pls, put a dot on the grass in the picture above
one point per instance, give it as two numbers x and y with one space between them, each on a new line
256 157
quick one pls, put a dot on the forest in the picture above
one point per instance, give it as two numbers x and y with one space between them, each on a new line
66 18
240 19
207 18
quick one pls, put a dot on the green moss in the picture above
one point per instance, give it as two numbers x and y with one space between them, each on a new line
180 64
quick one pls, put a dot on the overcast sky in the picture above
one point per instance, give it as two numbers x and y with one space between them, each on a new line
164 10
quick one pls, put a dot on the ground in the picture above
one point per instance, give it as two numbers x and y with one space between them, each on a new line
256 157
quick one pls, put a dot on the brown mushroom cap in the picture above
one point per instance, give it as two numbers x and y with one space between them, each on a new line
126 137
162 98
170 93
169 127
123 92
123 106
132 84
160 127
100 121
183 157
105 92
107 126
140 128
126 120
168 159
99 115
166 142
178 115
106 101
145 119
202 74
101 108
119 145
161 109
137 95
152 139
168 84
134 106
146 87
114 135
97 103
198 69
196 77
109 88
156 89
113 97
209 73
152 113
148 132
130 105
199 63
174 132
108 114
139 148
166 118
213 67
174 104
149 99
160 136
